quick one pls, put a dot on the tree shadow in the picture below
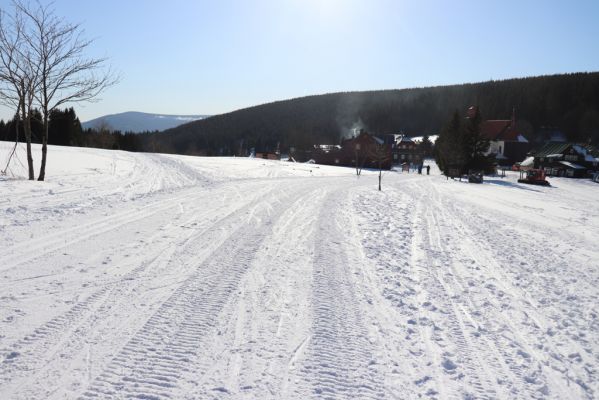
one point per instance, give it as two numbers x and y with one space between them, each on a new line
514 185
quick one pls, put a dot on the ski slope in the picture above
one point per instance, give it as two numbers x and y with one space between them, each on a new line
155 276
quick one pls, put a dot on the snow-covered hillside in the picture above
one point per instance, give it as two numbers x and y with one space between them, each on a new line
135 121
154 276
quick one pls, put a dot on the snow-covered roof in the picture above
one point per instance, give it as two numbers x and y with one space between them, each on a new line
418 139
327 146
528 162
571 165
590 158
586 153
403 139
579 149
556 155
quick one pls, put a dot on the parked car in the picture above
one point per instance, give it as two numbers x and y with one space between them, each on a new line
516 167
475 176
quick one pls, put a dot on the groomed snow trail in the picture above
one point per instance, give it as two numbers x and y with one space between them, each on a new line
493 306
153 277
339 355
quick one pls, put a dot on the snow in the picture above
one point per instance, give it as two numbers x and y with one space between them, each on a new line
134 121
163 276
590 158
528 162
418 139
571 165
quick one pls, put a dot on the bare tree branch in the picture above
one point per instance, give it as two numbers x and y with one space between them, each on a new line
19 75
66 75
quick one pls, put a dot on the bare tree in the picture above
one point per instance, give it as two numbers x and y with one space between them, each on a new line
66 75
380 154
360 158
18 76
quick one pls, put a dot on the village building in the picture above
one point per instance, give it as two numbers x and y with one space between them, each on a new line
566 159
268 155
364 150
329 154
506 142
406 150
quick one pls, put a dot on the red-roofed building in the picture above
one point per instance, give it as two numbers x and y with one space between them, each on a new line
506 142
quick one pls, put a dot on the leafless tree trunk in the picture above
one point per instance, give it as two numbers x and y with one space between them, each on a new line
66 75
380 153
18 76
359 162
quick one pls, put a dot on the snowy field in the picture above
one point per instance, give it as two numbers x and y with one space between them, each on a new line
152 276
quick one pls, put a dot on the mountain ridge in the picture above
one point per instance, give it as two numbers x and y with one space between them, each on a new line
138 121
569 102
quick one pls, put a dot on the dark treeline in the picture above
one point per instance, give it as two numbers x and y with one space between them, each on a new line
568 102
65 129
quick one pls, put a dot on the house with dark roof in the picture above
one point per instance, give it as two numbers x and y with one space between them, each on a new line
507 143
567 159
406 150
364 150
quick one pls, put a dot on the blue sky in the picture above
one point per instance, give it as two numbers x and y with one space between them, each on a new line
210 57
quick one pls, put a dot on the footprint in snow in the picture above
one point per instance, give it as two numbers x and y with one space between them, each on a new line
449 366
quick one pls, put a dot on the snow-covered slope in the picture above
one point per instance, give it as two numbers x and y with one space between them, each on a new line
151 276
134 121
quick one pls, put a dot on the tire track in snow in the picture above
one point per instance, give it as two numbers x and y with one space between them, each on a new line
339 359
68 333
390 269
264 328
513 369
172 340
521 355
36 248
467 363
144 175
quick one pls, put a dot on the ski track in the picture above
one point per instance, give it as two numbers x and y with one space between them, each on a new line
156 276
270 308
339 355
68 331
174 339
548 351
480 331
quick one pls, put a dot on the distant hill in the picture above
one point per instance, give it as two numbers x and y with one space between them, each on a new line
568 102
134 121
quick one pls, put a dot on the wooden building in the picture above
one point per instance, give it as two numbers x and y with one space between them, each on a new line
506 142
405 150
567 159
268 155
364 150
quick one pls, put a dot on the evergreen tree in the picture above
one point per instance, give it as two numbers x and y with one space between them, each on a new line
64 128
475 145
3 132
426 146
449 148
